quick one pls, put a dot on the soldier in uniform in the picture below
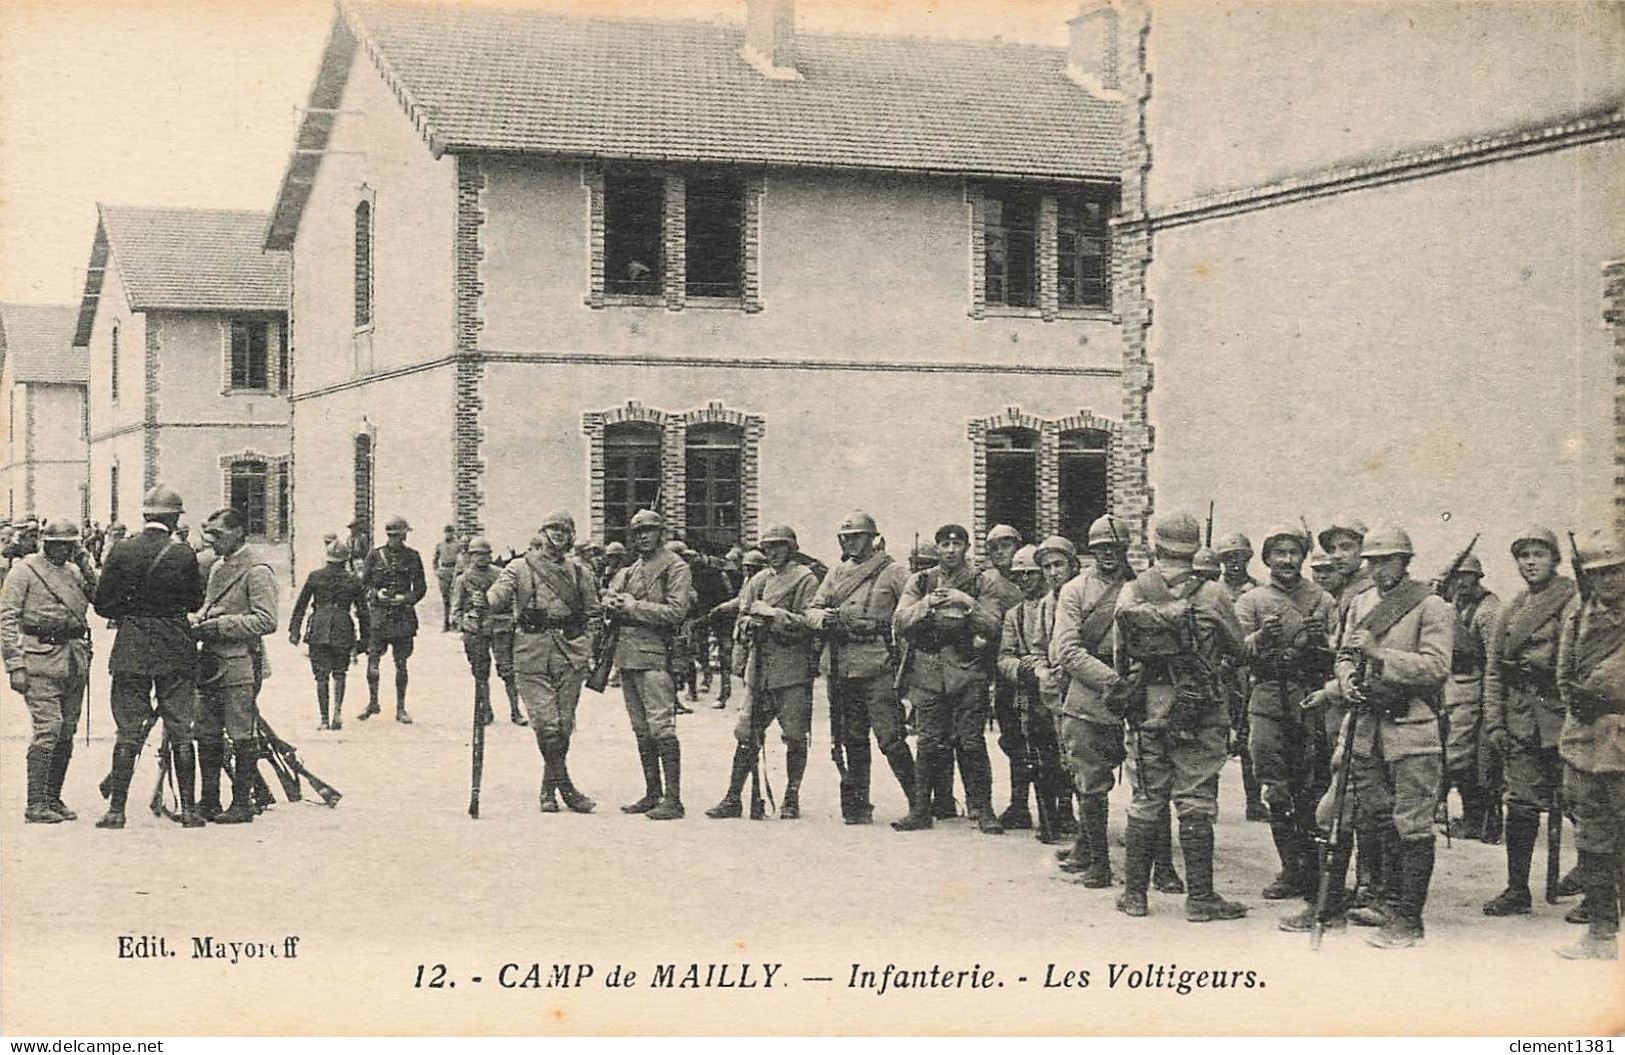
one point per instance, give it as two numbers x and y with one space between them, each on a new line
551 600
1591 682
239 609
473 617
1024 666
149 585
45 644
1523 714
948 616
1091 705
779 669
1323 568
331 593
614 561
1465 757
116 533
853 609
1000 585
648 602
446 554
1235 553
1172 629
1288 622
1205 564
393 576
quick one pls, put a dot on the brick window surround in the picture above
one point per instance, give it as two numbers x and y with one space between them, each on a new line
275 350
673 293
674 428
276 467
1047 271
1049 430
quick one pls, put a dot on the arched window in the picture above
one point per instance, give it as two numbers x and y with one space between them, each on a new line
363 264
1085 481
361 529
631 474
1012 479
112 373
714 482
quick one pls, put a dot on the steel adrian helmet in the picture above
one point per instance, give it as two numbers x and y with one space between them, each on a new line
1471 565
779 533
615 549
754 558
160 501
1344 524
645 518
1320 560
926 556
396 523
1235 542
1601 549
1056 544
676 546
858 523
1386 540
479 544
1178 534
1537 533
1282 533
1205 559
1026 559
60 531
1003 531
559 519
1108 531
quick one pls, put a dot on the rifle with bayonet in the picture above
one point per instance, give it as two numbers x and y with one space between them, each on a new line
834 630
1442 584
1207 539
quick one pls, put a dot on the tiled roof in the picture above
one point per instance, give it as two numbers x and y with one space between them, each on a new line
37 340
533 81
195 259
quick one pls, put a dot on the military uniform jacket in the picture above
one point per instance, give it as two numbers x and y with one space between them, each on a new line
241 600
1240 589
866 595
1591 658
1474 626
1026 635
1004 592
958 664
1305 600
661 590
330 592
1081 646
154 636
1413 658
1520 666
1219 636
392 572
471 611
39 597
560 589
447 557
787 643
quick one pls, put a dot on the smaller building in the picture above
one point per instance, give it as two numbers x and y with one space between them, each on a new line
42 394
184 320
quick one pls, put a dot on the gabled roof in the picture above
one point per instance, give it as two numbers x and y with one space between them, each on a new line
185 260
37 340
484 79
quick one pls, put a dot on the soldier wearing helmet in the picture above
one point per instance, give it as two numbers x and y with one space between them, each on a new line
330 594
1325 571
648 601
1392 664
1205 563
1024 667
551 601
1523 712
1171 628
852 609
615 558
149 585
1235 553
1591 681
1343 540
1288 622
949 616
1467 753
925 556
393 577
45 644
1000 584
725 615
487 632
446 558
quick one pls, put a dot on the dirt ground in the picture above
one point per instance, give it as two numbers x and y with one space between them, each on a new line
399 876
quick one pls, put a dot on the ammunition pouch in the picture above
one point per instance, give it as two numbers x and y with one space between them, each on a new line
536 621
1303 666
56 635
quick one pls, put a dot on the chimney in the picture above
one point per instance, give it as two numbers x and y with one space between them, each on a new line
1092 57
770 38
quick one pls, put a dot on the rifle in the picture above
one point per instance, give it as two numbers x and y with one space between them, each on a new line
1582 582
837 729
1443 587
1326 843
603 656
1208 539
478 761
758 689
166 775
287 756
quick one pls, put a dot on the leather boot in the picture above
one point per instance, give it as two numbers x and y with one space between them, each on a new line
1472 806
321 700
1077 858
901 762
241 810
1366 907
184 760
977 770
1291 882
1203 905
1572 883
1404 926
1018 815
1333 918
1522 826
118 784
55 774
1256 811
649 758
1066 822
338 703
515 715
35 810
1164 879
547 798
731 805
795 765
943 806
1139 842
574 800
725 690
1494 824
926 780
855 805
1094 823
210 756
670 806
372 692
1598 872
400 695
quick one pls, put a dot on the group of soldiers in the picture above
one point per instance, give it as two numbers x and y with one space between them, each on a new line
1363 695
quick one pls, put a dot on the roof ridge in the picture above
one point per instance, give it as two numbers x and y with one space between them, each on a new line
36 304
187 210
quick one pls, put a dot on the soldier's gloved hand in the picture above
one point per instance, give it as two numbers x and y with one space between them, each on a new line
1500 741
19 680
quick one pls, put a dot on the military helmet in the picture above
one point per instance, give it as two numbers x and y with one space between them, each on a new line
61 530
479 544
1344 523
1003 531
337 552
754 558
779 533
1057 544
1295 532
396 523
615 549
592 546
858 523
560 519
160 501
1537 533
1320 559
1026 559
451 529
952 531
1386 540
1204 559
1108 531
926 554
733 554
1600 550
676 546
1235 542
645 518
1470 565
1178 534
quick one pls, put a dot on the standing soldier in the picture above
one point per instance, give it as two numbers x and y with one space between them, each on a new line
550 599
1523 714
853 610
446 554
614 561
1288 622
647 603
1591 679
1326 573
472 615
774 626
1392 663
331 593
393 576
948 621
1172 629
45 643
1465 757
1205 564
239 609
1235 553
1092 704
1024 666
999 584
149 585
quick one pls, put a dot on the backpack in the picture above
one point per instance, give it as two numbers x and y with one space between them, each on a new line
1160 633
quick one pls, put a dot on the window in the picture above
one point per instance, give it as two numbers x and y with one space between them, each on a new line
713 485
112 373
248 491
633 256
631 474
1084 252
1084 481
361 534
250 347
1011 249
283 509
282 357
1012 479
715 218
363 264
112 495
